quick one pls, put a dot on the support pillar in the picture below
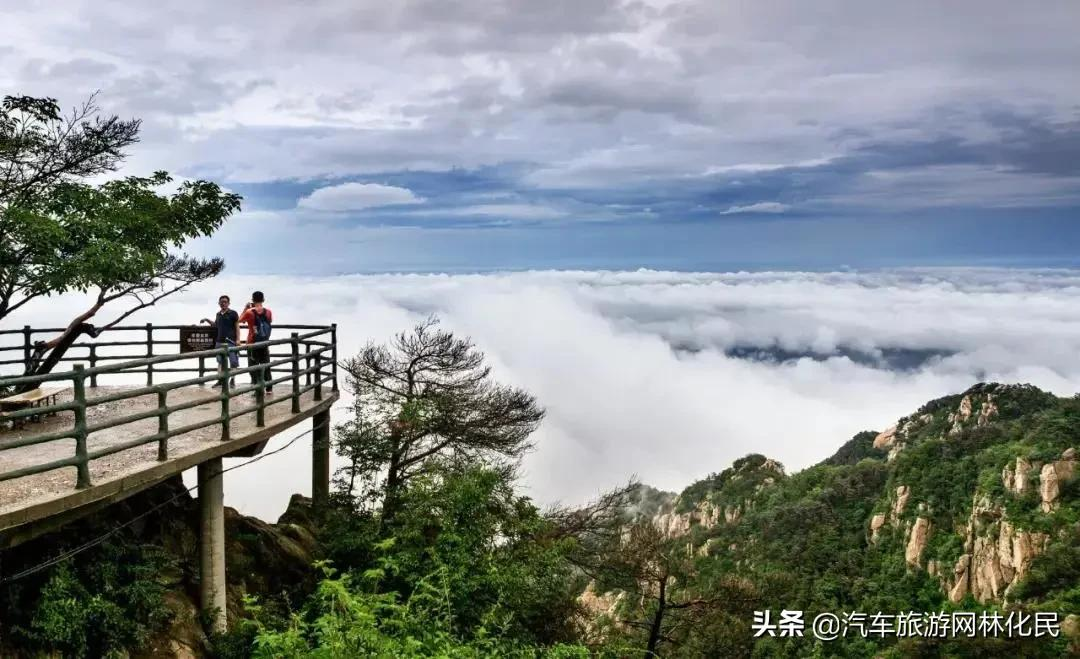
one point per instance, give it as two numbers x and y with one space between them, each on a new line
320 459
212 542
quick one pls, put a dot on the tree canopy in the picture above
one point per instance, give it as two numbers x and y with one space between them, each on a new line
427 396
113 239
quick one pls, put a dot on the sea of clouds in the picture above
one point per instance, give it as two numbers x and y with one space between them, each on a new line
670 376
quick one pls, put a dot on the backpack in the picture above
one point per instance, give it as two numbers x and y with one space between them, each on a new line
262 326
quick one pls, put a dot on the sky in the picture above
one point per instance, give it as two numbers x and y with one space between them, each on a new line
671 376
671 134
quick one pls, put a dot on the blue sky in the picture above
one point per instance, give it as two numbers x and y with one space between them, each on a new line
671 134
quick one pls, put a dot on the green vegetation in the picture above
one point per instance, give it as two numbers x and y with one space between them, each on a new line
110 600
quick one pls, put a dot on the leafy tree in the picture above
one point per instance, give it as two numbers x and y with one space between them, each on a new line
426 396
112 240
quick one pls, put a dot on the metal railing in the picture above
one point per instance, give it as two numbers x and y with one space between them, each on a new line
311 357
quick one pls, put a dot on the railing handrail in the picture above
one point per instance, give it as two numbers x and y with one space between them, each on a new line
318 353
132 328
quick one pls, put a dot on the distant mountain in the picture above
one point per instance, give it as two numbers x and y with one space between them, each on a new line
970 503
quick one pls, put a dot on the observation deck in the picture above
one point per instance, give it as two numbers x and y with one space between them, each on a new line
124 422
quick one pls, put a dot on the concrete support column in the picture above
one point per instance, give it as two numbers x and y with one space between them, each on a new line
320 459
212 542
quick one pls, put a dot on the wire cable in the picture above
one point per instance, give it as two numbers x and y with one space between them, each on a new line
98 540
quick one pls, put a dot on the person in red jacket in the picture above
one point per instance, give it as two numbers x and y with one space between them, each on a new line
259 320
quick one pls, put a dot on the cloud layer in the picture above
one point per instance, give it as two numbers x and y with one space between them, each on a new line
669 375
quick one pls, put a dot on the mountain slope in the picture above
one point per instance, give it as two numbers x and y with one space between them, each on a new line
970 503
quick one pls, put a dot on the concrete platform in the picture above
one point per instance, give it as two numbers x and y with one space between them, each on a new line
41 502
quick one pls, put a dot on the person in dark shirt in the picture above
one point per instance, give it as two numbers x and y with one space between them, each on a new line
227 323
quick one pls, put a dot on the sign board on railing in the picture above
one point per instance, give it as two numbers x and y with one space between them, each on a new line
196 338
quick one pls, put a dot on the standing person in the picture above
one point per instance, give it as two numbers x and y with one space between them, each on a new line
227 323
259 320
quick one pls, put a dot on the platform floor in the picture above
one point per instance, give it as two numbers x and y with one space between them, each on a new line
37 489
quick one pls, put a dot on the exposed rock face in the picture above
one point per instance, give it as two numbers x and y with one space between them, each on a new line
1017 479
1070 626
1053 476
959 588
987 410
964 413
598 605
875 526
885 439
999 555
673 525
920 533
903 493
894 437
708 514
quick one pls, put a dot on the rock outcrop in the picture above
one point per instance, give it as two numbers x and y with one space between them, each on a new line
895 437
903 493
920 533
998 555
987 411
875 526
1017 479
1053 476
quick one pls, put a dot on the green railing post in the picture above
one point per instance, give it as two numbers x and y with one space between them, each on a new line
307 364
295 373
163 425
93 363
149 353
333 353
318 376
226 393
202 367
260 398
28 347
82 480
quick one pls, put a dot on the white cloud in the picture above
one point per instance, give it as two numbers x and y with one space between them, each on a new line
357 196
498 211
633 370
760 207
